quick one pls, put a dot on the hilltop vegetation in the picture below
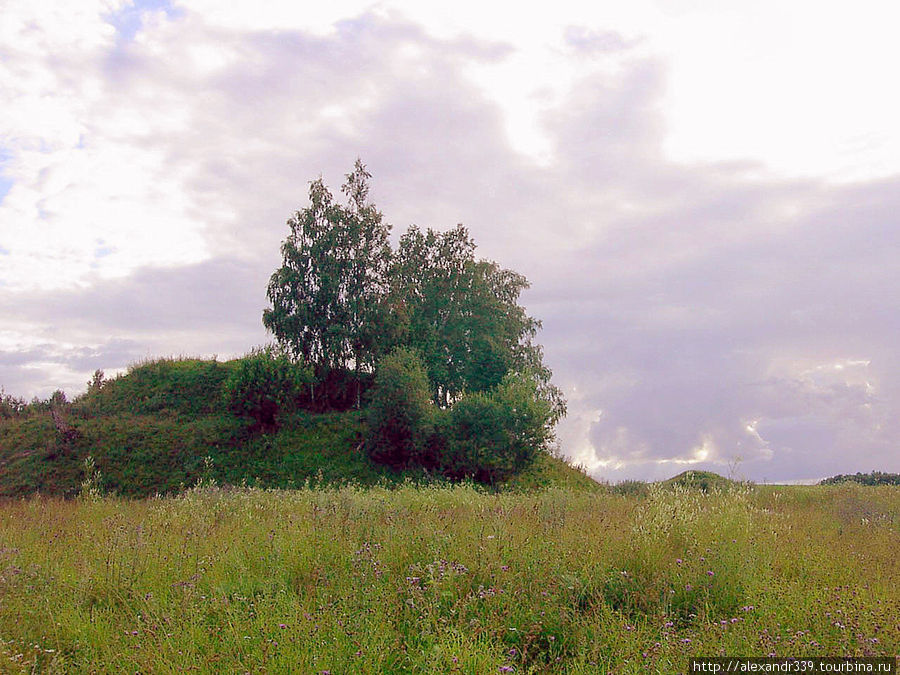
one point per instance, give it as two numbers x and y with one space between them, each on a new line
459 386
167 424
387 364
706 481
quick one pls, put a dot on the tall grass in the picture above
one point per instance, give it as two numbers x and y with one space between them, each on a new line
446 579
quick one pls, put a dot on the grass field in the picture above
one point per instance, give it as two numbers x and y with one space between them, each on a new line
446 579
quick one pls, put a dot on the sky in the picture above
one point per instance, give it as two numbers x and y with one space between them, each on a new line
704 195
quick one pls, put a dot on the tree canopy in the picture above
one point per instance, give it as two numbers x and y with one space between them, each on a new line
327 296
344 299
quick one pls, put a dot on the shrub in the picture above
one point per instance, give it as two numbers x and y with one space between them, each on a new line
11 406
265 385
497 434
400 413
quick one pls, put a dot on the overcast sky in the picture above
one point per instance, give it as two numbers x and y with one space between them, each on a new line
704 195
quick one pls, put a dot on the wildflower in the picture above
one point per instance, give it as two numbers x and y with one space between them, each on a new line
505 568
709 573
282 626
678 561
506 669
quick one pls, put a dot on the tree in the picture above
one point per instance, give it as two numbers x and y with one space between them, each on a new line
464 316
400 410
342 299
327 295
366 284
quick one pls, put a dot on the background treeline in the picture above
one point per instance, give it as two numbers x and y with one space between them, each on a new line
871 478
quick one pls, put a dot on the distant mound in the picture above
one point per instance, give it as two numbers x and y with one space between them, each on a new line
701 480
164 425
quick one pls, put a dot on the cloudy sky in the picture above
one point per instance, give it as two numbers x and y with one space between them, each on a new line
704 195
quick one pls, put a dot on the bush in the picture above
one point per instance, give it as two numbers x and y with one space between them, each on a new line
400 414
10 406
494 435
265 385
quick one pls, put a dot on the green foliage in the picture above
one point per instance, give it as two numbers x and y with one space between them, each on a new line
631 488
326 296
871 478
343 299
149 431
167 385
705 481
461 313
493 435
486 436
264 385
399 411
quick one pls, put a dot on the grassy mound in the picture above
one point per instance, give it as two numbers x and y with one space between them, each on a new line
705 481
164 426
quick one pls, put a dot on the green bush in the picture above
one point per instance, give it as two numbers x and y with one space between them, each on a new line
400 413
485 436
493 435
264 386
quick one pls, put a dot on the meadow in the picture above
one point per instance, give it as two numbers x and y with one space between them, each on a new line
448 579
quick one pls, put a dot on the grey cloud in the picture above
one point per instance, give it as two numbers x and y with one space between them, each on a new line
198 310
216 295
685 302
